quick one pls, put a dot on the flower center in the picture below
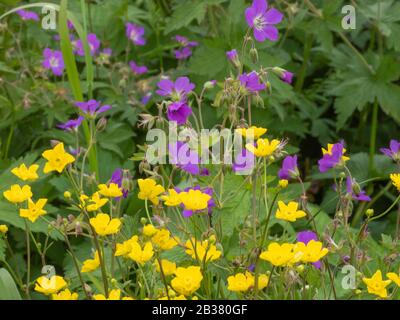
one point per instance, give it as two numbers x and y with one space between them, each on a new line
259 22
54 62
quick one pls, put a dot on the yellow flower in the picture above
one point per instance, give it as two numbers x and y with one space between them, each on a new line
239 282
162 238
104 225
50 286
187 280
114 294
34 211
3 228
95 202
283 183
376 285
91 264
57 159
395 177
149 190
264 147
25 173
181 297
195 200
173 199
16 194
67 194
123 249
243 282
140 255
149 230
65 295
111 191
329 151
280 255
289 212
256 132
394 277
312 252
203 251
168 267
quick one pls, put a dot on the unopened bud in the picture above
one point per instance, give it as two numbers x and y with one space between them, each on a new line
67 194
254 55
283 183
71 218
369 213
210 84
101 124
143 221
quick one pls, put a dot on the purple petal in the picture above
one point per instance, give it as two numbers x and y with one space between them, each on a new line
273 16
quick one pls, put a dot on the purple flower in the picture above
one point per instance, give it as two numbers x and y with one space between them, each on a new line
251 82
28 15
53 60
354 189
137 70
179 111
263 20
244 162
393 151
232 55
185 159
93 42
332 157
70 25
135 34
306 237
289 168
210 203
287 77
107 52
178 90
183 54
146 98
117 177
184 42
92 107
71 124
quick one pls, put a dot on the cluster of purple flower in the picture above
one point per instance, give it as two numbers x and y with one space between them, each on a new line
185 47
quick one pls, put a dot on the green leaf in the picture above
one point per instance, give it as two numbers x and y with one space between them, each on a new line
8 289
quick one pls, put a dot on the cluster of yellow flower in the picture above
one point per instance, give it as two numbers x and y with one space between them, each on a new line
57 160
289 254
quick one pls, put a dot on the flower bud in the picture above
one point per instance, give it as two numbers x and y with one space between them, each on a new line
300 268
67 195
101 124
254 55
71 218
143 221
283 183
357 291
369 213
210 84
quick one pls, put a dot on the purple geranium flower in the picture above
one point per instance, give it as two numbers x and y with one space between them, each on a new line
184 42
178 90
135 34
183 54
70 25
117 178
232 55
71 124
179 111
333 158
244 162
146 98
92 107
263 20
289 168
185 159
137 70
53 60
251 82
306 237
287 77
393 151
210 203
28 15
93 42
353 188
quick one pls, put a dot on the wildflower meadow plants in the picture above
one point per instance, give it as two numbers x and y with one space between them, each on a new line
109 203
